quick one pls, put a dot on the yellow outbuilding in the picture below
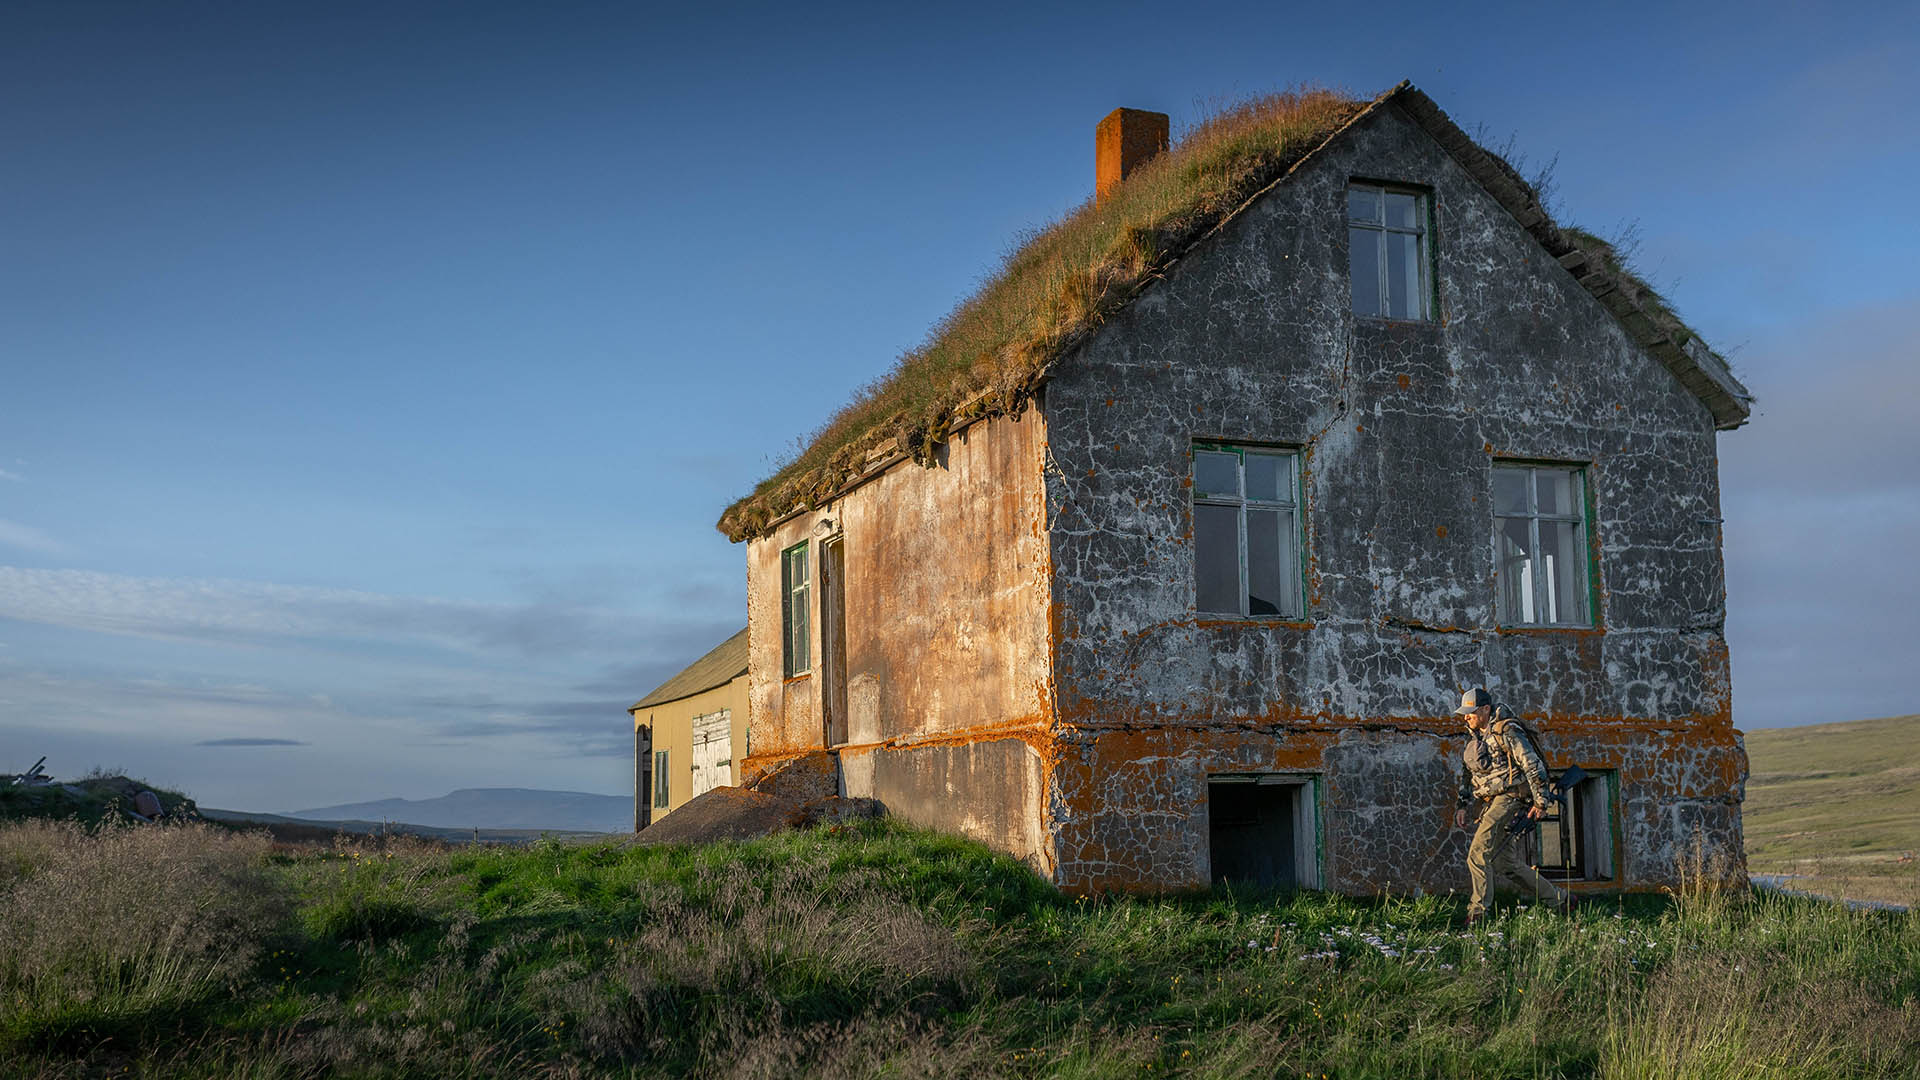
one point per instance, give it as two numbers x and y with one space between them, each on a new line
690 734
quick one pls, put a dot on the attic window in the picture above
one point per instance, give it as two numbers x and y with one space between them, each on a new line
1246 531
1388 252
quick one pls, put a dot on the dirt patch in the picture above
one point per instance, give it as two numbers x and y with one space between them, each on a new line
732 813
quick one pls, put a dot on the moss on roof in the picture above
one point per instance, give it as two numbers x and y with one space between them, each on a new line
990 355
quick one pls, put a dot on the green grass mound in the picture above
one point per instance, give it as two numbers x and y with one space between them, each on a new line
880 950
92 799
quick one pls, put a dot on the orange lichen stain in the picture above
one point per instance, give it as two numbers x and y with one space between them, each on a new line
1357 427
1487 447
1109 403
1034 730
1440 531
1405 382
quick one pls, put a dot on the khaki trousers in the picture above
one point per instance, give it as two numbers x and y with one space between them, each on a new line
1494 856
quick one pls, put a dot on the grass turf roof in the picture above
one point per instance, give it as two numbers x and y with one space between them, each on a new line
992 352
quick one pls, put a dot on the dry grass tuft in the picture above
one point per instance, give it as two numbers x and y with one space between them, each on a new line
990 354
127 919
754 959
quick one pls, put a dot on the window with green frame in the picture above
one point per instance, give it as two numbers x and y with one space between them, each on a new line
660 778
1246 531
1541 575
796 650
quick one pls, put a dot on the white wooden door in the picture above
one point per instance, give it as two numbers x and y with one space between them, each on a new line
712 751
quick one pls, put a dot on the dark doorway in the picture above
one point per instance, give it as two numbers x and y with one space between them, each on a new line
1261 831
833 633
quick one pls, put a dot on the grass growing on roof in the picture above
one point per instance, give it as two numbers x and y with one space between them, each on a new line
1051 292
990 354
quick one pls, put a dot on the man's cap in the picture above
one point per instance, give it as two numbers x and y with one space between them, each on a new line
1473 699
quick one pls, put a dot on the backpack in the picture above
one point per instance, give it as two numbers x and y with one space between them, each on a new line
1503 719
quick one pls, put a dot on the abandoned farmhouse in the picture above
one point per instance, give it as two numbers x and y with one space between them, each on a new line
1165 562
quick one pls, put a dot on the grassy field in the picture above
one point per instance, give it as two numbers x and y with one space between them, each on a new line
1838 804
880 950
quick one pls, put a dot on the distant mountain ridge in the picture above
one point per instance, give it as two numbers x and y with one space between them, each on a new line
492 808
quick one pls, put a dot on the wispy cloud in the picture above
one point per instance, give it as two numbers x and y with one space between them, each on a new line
26 537
13 476
250 742
258 612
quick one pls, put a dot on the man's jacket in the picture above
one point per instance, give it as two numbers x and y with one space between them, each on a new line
1500 760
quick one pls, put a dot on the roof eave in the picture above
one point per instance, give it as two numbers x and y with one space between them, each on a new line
1697 367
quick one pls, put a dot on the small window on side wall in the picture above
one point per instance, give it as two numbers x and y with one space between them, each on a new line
1388 248
662 789
1540 546
1246 531
795 650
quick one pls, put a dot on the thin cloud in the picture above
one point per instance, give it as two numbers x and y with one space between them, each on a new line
250 742
257 612
13 476
26 537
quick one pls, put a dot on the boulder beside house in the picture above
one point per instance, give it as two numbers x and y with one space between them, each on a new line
1165 561
690 734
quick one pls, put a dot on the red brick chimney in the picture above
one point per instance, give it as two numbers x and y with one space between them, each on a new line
1124 141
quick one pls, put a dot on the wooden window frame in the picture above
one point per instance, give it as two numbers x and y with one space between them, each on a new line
796 611
1582 501
1379 230
1240 501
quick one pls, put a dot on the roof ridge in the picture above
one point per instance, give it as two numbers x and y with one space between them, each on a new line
1030 354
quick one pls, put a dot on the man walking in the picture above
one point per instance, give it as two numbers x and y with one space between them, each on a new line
1504 770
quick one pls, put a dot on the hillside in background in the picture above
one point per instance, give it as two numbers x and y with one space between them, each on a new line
1838 804
492 808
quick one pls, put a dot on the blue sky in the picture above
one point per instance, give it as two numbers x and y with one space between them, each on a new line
371 375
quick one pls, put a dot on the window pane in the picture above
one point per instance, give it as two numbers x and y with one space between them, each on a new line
1216 559
1271 568
1554 488
1565 571
1215 474
1403 211
1403 276
1270 477
1364 246
802 659
1363 204
1509 491
1513 570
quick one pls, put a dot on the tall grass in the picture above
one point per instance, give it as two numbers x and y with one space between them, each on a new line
107 927
880 950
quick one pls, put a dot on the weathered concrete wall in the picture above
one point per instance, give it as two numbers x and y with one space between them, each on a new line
946 591
1251 339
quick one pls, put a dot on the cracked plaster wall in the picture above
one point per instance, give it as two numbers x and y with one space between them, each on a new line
946 701
1251 339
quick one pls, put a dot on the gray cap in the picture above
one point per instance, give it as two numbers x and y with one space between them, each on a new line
1473 699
